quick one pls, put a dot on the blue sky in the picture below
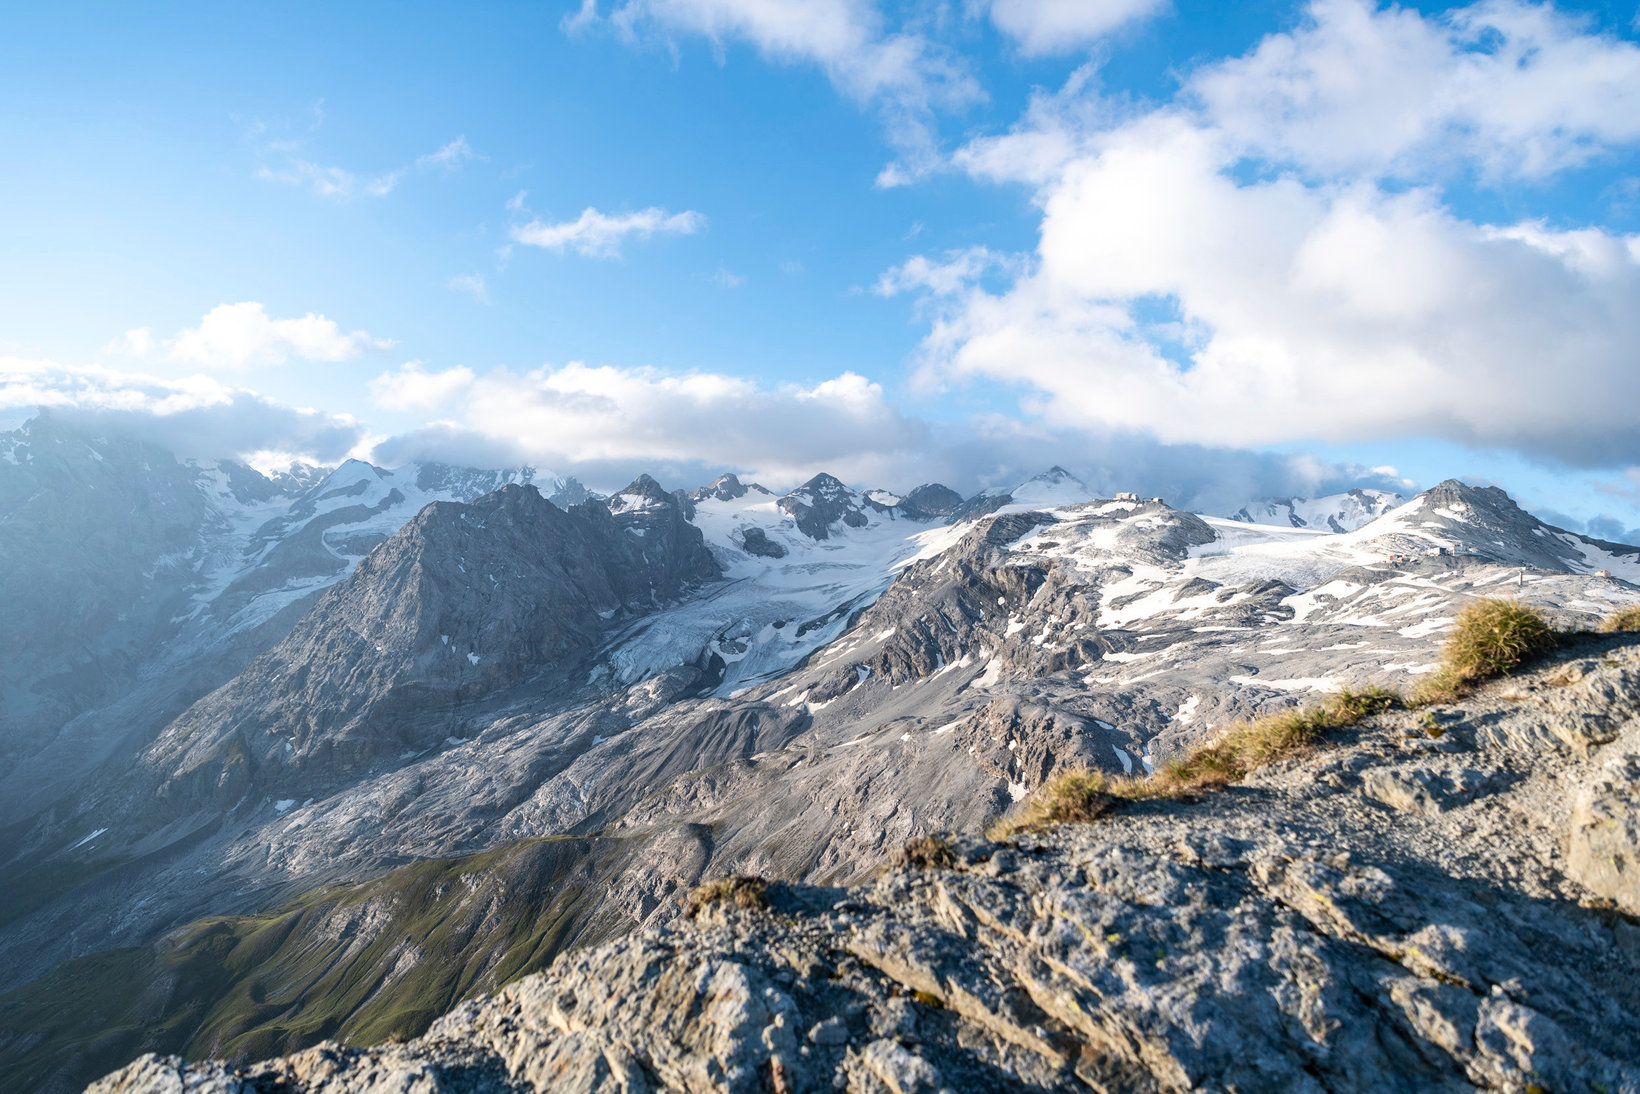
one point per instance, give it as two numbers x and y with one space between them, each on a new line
1216 250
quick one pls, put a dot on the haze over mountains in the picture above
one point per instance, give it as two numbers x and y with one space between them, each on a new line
224 692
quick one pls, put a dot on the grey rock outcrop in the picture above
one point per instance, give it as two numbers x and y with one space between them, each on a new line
464 601
929 501
822 502
95 535
1604 842
1290 934
756 541
726 487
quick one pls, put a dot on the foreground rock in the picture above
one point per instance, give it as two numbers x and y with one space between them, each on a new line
1431 905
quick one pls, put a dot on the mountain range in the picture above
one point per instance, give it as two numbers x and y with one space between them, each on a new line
322 754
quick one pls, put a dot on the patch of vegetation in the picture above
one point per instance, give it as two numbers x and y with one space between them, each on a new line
1080 796
1490 638
741 890
935 852
250 987
1245 748
1624 619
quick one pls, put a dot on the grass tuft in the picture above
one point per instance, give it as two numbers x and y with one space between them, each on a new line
741 890
1081 796
935 852
1490 638
1624 619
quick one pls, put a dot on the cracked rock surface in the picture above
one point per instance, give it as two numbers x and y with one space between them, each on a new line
1443 900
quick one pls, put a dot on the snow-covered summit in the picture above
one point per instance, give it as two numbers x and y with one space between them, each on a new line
1343 512
641 494
727 487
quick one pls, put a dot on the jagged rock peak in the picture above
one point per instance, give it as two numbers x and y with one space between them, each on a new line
930 500
726 487
1375 939
820 503
642 492
1056 474
1452 492
510 497
823 486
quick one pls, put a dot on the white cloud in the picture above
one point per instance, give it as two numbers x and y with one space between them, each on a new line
336 183
137 342
449 157
243 335
727 279
1055 26
410 388
1517 88
900 72
516 202
600 235
579 415
1174 291
341 184
957 271
607 424
472 283
192 416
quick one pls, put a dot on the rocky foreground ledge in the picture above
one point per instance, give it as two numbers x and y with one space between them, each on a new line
1445 899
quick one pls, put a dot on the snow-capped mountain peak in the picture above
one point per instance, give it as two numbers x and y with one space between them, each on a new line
1343 512
727 487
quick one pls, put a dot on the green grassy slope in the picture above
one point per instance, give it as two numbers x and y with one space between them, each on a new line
361 963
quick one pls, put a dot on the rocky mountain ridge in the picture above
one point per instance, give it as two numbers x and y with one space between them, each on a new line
1428 904
1335 512
661 685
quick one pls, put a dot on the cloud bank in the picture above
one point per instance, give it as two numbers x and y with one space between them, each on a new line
196 416
243 335
605 425
1271 258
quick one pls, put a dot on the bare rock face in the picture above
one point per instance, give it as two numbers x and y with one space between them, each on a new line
1314 929
726 487
822 502
756 541
1604 847
95 534
929 501
464 601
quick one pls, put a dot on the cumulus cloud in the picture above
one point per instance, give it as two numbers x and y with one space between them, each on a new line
1330 292
1056 26
901 73
1520 89
599 235
578 413
243 335
411 388
944 276
195 416
606 424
